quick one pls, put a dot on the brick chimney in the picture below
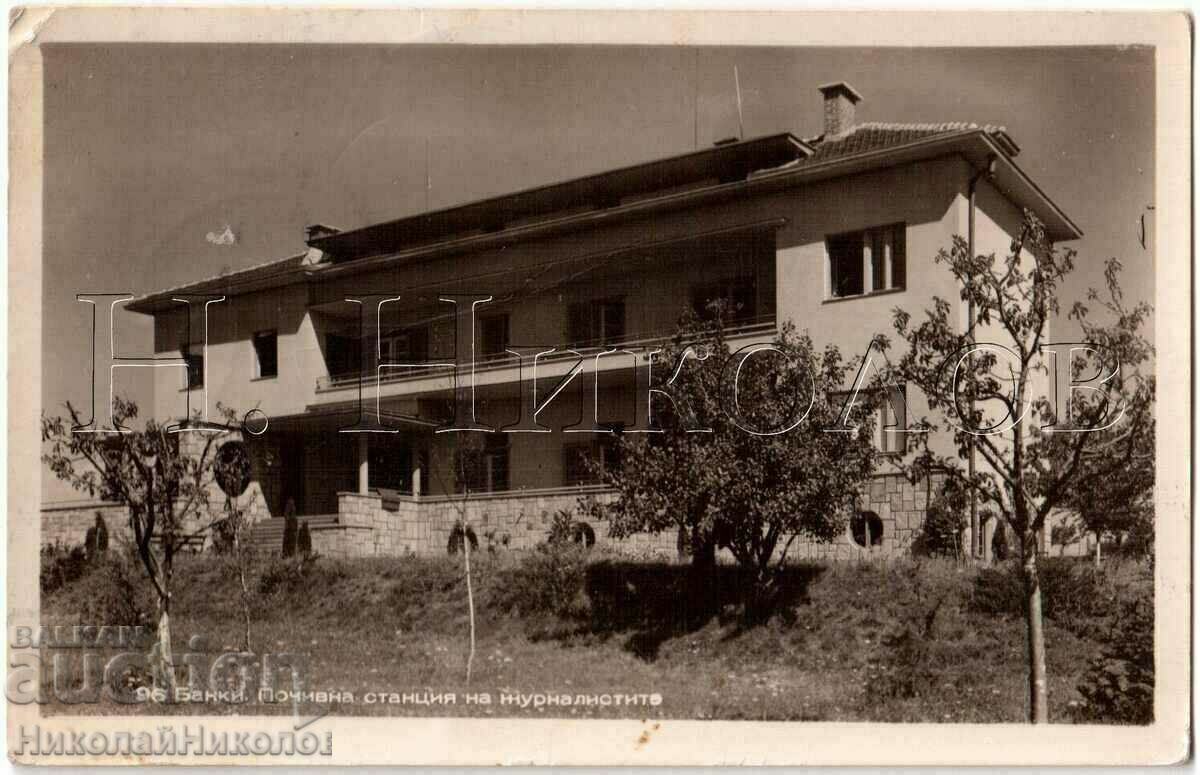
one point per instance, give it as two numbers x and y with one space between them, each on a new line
840 99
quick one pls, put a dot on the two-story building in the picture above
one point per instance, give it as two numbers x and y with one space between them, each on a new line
830 233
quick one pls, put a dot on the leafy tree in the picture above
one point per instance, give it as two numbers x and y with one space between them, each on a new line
165 487
767 472
1120 502
1001 406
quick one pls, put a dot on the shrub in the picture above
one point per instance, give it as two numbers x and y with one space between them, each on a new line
222 535
548 580
304 541
1119 684
61 566
97 538
561 527
1000 542
1073 593
941 532
290 531
116 592
110 591
292 574
455 544
564 528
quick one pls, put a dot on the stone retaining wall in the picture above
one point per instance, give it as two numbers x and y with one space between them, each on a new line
67 523
514 520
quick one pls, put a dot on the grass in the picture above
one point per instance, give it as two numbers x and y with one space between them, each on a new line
894 641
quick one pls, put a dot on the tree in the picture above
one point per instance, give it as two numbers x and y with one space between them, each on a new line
1001 407
165 487
767 472
1120 502
231 470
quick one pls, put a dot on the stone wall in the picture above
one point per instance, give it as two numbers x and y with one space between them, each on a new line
521 520
515 521
67 522
900 507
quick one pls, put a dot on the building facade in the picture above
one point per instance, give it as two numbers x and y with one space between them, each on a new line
366 331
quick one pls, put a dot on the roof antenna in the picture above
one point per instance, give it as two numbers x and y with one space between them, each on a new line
737 84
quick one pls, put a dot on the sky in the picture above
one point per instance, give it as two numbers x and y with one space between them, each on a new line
153 151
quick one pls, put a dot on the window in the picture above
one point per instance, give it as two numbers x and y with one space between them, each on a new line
599 321
493 335
605 449
408 346
866 529
891 418
893 422
194 357
343 354
486 470
866 261
266 354
738 293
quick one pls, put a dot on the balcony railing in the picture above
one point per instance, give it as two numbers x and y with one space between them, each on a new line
763 324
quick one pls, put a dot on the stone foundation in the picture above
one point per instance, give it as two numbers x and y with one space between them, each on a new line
516 520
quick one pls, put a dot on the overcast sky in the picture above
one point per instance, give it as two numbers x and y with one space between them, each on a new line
151 149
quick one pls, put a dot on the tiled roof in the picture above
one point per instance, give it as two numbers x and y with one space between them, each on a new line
873 136
225 282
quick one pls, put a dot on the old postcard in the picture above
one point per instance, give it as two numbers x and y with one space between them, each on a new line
559 387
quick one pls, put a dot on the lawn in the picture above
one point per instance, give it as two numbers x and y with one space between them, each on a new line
880 641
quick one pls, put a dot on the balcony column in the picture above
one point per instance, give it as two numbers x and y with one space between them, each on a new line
364 479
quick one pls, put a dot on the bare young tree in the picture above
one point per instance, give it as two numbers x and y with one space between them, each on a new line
165 486
992 387
231 469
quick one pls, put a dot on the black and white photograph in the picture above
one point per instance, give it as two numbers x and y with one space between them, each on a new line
636 387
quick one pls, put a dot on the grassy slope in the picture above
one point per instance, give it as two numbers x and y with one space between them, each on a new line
400 625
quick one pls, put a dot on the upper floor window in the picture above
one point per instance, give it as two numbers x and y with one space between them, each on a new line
738 294
493 334
193 355
866 261
343 354
266 354
408 346
598 321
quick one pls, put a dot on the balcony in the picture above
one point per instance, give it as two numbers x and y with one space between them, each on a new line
501 368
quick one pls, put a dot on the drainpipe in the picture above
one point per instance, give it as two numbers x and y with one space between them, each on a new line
978 548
